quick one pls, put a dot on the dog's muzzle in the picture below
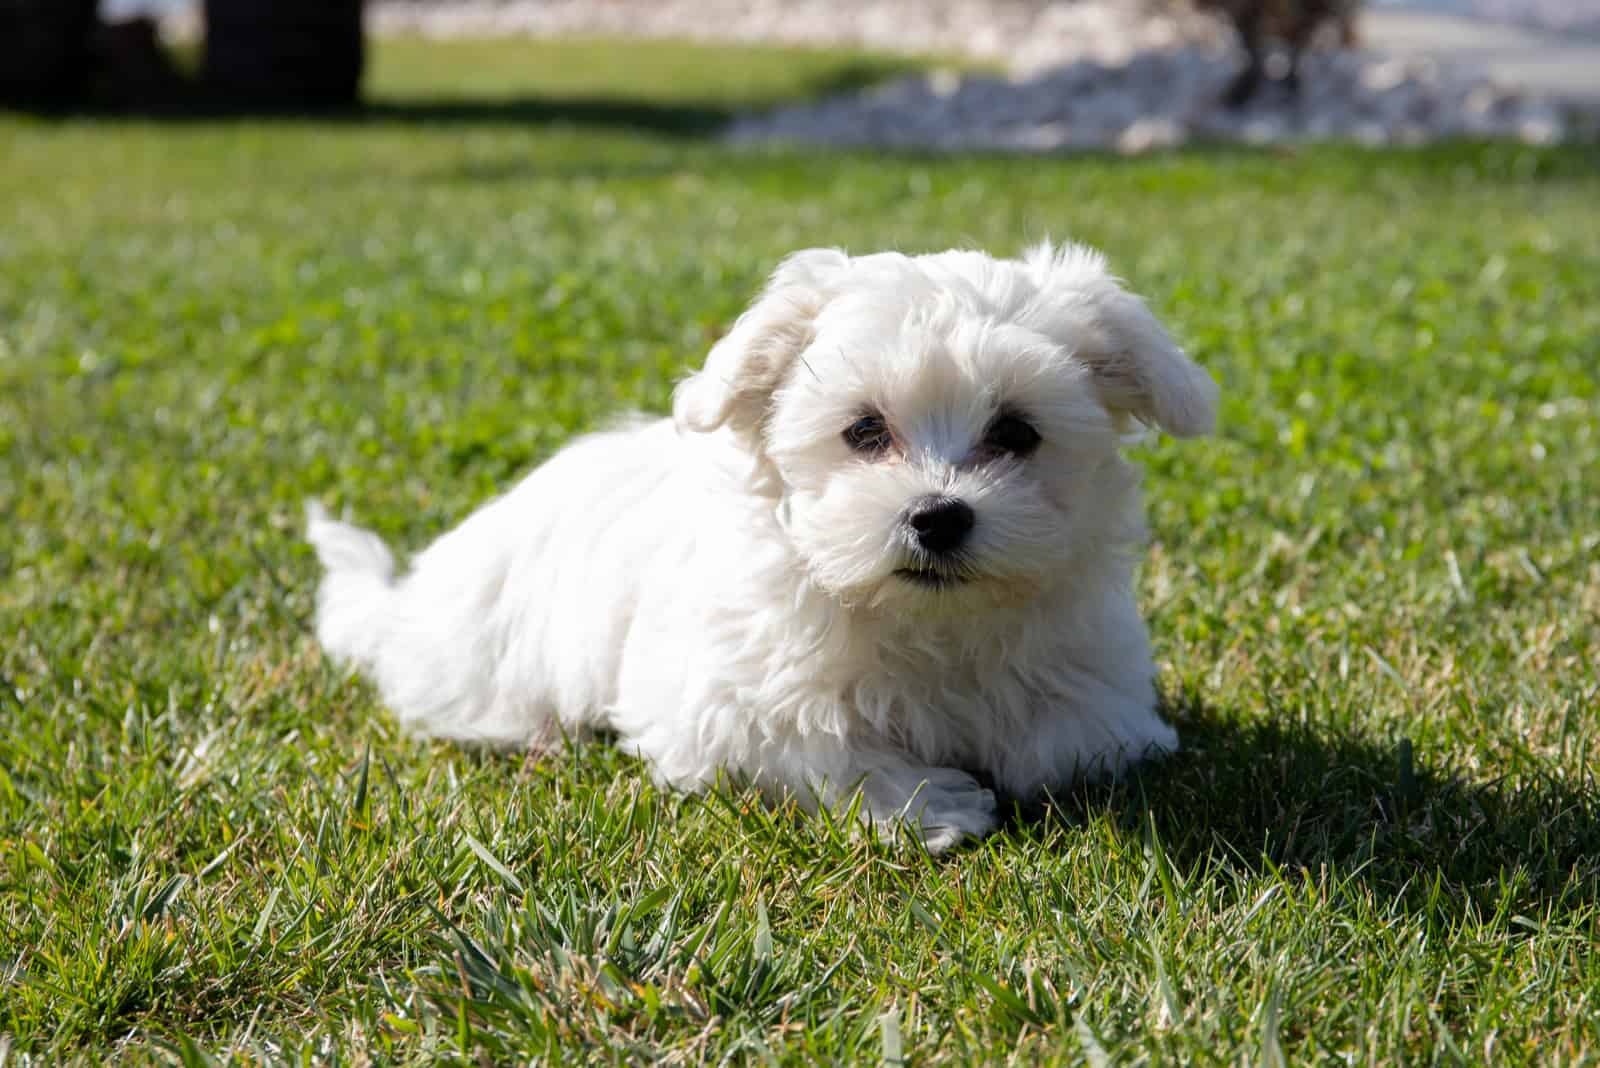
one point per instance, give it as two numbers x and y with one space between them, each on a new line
936 528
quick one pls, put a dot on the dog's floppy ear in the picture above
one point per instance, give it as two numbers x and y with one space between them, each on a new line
1137 366
748 364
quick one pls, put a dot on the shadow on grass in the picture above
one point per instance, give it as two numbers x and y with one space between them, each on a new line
686 119
683 117
1282 796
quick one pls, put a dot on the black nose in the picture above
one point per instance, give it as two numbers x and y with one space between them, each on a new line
941 523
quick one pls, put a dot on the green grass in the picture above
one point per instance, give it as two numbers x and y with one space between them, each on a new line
1375 598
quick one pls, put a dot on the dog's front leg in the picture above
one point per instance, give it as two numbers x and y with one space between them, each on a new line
1090 731
942 805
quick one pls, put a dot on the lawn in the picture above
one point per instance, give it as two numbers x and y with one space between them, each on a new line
1375 597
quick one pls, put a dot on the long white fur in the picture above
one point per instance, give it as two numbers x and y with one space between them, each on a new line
719 588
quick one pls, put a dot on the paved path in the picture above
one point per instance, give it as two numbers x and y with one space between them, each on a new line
1564 64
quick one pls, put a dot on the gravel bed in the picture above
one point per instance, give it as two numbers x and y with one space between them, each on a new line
1163 98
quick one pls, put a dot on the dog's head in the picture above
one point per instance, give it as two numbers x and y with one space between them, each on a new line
944 429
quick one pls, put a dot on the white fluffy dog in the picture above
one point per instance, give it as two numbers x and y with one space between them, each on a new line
884 542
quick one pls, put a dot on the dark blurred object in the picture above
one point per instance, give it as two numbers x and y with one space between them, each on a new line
1294 25
276 55
130 71
44 52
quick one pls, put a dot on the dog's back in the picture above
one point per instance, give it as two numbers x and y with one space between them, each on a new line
505 630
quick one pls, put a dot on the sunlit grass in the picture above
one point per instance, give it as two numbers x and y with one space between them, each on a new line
1375 597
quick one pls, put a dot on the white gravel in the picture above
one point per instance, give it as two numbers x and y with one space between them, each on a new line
1090 74
1163 98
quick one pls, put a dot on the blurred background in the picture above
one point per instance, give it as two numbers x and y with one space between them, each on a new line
1025 75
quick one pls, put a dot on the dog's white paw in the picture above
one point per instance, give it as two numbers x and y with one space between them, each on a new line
949 808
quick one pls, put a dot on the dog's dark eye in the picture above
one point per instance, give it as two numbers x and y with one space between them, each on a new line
868 435
1011 433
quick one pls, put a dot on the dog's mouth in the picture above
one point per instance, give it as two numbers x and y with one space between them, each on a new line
930 578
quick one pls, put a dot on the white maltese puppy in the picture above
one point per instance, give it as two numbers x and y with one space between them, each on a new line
885 542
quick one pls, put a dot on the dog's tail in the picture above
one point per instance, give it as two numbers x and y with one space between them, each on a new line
355 597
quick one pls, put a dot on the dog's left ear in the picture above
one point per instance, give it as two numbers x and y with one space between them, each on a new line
1136 365
744 368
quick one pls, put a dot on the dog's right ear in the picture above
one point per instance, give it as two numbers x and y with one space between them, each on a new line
743 369
1137 366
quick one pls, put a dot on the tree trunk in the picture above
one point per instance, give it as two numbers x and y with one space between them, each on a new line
284 54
